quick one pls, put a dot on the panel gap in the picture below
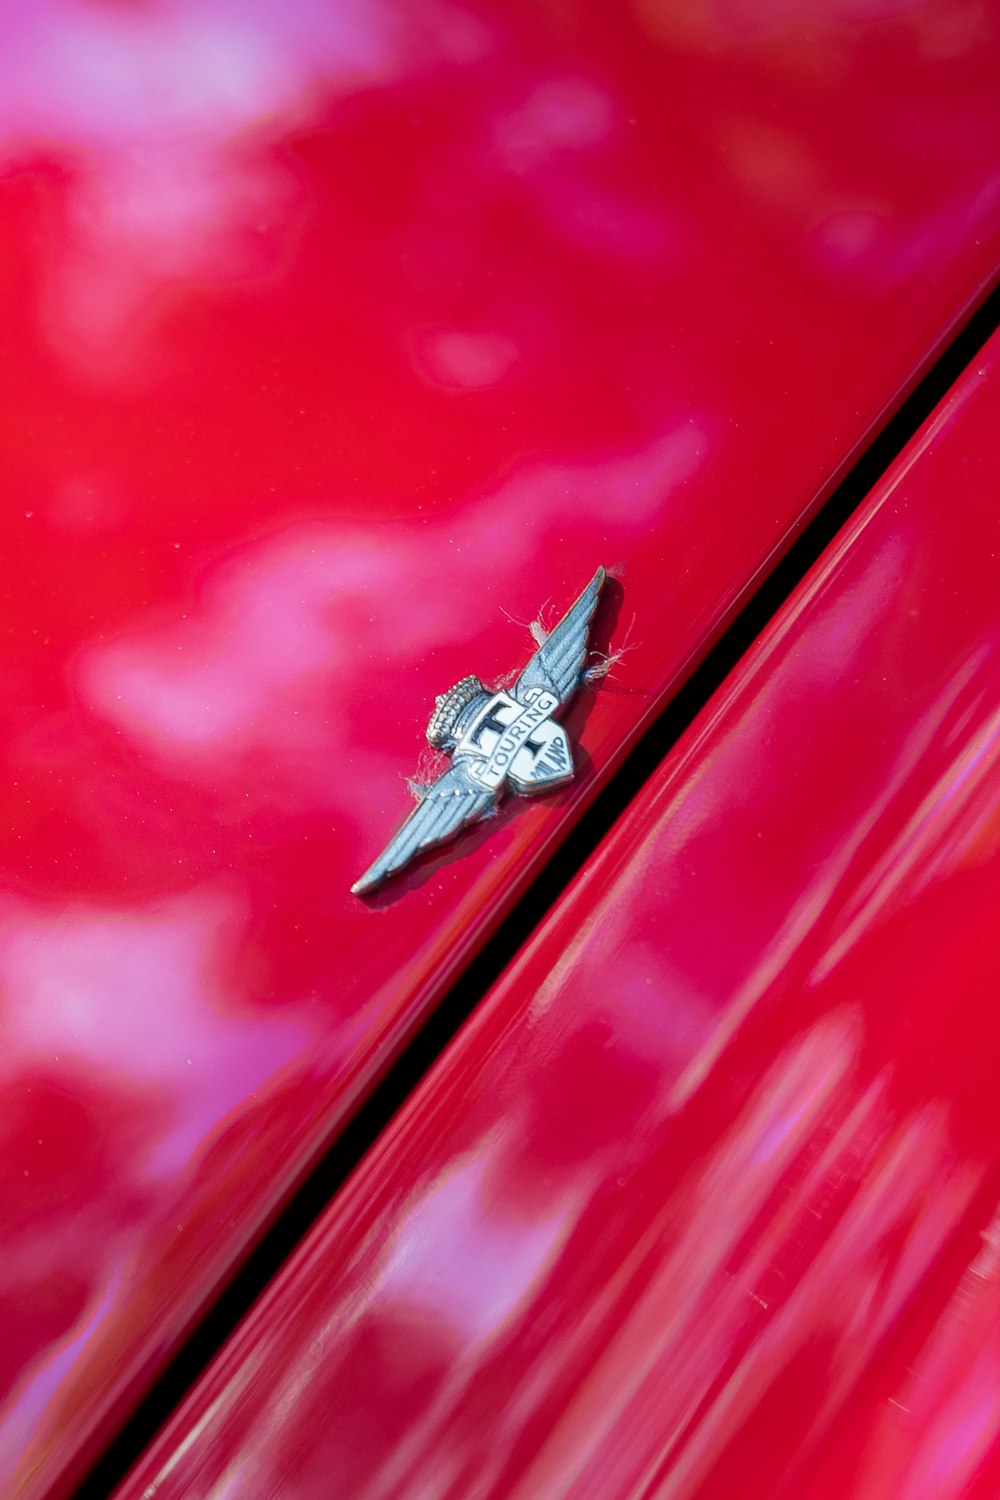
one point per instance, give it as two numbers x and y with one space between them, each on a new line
299 1215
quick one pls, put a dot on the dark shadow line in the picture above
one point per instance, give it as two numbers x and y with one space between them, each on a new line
361 1131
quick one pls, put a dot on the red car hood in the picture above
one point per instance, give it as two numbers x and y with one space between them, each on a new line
340 342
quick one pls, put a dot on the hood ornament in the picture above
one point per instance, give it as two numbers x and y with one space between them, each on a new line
498 741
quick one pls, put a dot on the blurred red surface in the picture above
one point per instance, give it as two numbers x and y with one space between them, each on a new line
334 337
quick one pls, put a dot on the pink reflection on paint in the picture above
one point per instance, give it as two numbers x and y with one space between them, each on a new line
460 1256
109 74
563 113
939 1423
470 359
141 995
959 1440
39 1390
165 117
126 1026
276 658
684 1276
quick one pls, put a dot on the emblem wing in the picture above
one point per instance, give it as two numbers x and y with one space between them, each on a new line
557 664
449 804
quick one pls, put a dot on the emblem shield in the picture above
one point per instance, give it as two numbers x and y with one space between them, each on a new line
518 742
542 770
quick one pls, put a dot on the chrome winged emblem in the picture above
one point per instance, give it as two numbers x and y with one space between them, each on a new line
498 741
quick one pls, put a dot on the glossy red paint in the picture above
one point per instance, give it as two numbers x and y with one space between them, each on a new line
333 333
714 1173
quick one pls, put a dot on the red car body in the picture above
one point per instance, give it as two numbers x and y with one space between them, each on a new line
341 341
704 1201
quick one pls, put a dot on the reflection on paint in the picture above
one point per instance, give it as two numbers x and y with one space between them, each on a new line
138 995
125 1027
276 660
933 1433
43 1384
339 330
738 1098
474 1267
156 103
